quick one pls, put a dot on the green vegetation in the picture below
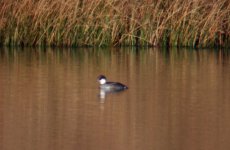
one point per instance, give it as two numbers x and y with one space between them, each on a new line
194 23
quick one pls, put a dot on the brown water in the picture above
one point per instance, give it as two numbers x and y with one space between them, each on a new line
177 100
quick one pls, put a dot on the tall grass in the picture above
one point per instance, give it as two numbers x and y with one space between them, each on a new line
196 23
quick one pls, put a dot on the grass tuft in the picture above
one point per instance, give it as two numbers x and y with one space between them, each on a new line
194 23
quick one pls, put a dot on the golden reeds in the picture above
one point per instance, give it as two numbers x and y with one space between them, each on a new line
196 23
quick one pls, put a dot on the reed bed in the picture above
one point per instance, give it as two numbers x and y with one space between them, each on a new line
195 23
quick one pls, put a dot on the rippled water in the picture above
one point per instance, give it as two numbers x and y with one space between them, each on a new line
177 99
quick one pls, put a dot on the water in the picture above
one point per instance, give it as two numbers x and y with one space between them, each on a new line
177 100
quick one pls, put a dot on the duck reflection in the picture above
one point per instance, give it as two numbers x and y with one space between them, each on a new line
104 92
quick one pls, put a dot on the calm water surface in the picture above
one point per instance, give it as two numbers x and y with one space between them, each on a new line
177 100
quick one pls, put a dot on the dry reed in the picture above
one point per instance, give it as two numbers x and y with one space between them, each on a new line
196 23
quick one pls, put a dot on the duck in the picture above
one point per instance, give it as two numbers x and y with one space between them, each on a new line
110 86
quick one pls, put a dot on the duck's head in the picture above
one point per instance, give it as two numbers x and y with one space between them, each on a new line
101 79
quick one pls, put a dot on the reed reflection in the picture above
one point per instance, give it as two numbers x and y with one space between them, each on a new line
50 98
